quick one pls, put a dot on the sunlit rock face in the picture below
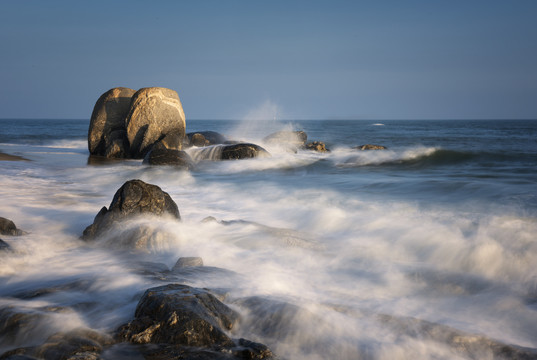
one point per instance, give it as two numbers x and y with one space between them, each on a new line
107 134
154 113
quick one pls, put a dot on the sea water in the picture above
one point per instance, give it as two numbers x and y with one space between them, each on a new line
369 249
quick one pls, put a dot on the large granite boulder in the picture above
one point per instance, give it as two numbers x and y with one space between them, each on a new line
243 151
135 197
8 227
180 314
107 134
154 113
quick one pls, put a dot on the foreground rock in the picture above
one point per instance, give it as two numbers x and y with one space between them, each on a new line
8 227
160 155
155 112
79 344
243 151
187 321
135 197
370 147
107 134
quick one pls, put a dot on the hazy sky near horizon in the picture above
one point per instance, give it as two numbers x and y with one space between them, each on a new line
426 59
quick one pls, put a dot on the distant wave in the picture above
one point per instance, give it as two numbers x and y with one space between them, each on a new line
416 157
377 124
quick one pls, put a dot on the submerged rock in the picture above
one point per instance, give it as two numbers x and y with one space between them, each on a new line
243 151
370 147
107 134
8 227
187 262
135 197
180 314
155 112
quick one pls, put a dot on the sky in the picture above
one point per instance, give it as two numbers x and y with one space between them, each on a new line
227 59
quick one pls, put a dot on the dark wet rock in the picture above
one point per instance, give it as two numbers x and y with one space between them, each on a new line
181 315
243 151
77 344
370 147
318 146
107 132
243 350
295 138
4 245
155 112
135 197
80 344
183 262
160 155
17 323
275 319
8 227
205 138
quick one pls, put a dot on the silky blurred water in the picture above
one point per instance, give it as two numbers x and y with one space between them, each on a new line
439 227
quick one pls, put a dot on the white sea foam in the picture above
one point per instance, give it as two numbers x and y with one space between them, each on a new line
339 260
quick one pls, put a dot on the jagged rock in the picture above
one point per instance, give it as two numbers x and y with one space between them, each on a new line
370 147
155 112
318 146
243 350
160 155
295 138
205 138
187 262
243 151
8 227
107 133
181 315
133 198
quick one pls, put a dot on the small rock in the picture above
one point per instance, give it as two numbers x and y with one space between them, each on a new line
7 227
243 151
318 146
160 155
188 262
205 138
370 147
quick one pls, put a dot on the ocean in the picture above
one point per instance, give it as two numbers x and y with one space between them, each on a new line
425 250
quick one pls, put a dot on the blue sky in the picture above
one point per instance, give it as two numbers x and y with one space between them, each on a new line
428 59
